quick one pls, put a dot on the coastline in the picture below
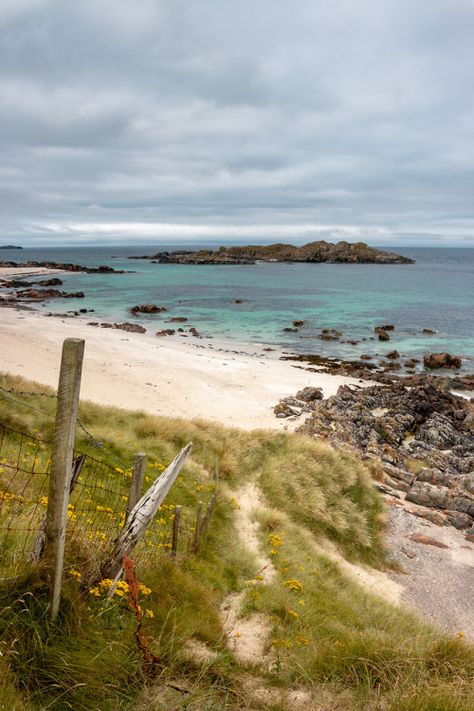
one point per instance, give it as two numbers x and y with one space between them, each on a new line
234 384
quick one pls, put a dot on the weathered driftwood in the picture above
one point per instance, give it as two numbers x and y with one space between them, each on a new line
38 545
61 463
142 515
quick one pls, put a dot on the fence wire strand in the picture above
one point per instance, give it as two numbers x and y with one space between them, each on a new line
96 509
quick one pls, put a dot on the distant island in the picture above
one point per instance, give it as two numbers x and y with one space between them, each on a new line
10 246
314 252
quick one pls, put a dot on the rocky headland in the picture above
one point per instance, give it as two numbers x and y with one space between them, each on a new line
314 252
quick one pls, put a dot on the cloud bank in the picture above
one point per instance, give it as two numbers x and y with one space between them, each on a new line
148 120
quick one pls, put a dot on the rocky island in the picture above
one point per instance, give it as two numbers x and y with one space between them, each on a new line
314 252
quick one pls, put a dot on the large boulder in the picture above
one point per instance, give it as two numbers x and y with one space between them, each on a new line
309 394
441 360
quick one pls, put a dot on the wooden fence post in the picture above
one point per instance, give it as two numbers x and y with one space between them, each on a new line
174 540
207 517
137 482
142 515
38 546
61 463
197 530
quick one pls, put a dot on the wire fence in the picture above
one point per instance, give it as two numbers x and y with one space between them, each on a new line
96 509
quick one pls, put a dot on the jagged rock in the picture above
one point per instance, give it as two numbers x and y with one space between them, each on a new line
400 474
464 504
55 281
147 309
289 329
165 332
177 319
309 394
297 323
130 327
441 360
284 410
46 294
393 355
459 520
429 331
382 334
429 515
428 495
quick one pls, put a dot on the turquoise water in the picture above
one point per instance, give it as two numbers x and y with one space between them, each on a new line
437 293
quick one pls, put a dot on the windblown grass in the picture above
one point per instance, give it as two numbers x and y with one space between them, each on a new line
328 633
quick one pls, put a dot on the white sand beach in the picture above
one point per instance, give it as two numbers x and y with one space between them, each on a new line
234 384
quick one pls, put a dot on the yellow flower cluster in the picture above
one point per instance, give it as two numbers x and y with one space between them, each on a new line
122 588
293 585
274 540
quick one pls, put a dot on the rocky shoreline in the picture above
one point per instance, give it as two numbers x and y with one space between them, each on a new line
313 252
416 435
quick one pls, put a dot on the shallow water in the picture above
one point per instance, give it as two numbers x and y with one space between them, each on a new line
437 293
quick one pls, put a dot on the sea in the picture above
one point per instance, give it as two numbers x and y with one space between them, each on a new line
436 293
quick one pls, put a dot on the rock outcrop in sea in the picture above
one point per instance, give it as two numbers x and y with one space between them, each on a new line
317 252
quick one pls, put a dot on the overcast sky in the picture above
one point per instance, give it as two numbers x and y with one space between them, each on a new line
140 120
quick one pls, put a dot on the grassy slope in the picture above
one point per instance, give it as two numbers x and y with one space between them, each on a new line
328 631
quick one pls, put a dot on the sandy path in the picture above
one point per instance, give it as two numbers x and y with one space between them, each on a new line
248 636
182 377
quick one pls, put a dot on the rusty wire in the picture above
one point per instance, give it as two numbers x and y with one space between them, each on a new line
96 510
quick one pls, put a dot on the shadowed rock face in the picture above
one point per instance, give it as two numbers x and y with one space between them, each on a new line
321 251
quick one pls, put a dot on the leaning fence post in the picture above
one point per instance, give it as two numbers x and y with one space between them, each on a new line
197 530
61 462
142 515
137 482
174 540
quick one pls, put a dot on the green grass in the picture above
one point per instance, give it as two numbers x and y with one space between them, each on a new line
330 637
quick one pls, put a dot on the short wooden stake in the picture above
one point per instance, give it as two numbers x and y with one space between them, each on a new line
61 463
137 482
207 517
174 540
197 531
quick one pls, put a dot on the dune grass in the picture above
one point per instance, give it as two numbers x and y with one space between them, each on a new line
327 632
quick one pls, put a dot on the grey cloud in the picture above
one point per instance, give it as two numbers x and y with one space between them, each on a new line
305 115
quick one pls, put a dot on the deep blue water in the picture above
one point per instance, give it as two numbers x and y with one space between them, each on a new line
437 292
